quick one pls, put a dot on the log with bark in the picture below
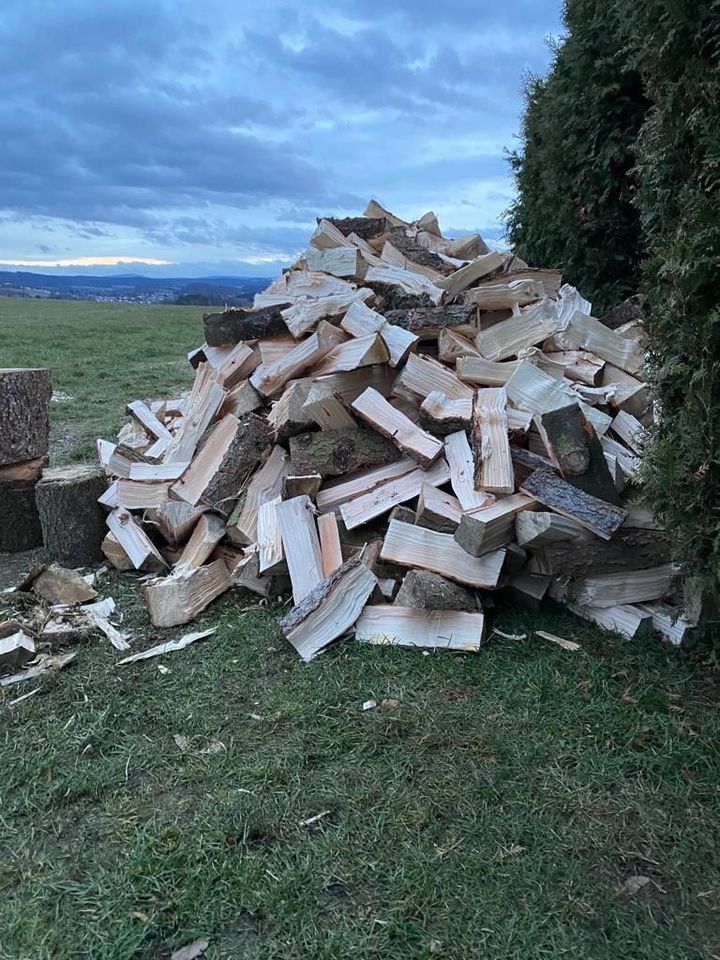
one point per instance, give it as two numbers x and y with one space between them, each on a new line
73 522
24 414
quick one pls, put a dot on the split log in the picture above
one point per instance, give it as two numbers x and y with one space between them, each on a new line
273 348
627 462
73 523
375 410
415 256
19 519
208 532
462 472
412 546
329 610
265 485
629 621
631 586
178 599
304 316
531 389
437 510
485 373
526 589
427 322
297 285
378 501
536 529
500 296
24 414
666 621
335 453
435 630
271 556
631 394
338 492
141 551
350 384
422 376
361 321
175 520
269 379
408 282
557 494
630 430
575 451
583 332
344 261
422 590
327 408
115 555
330 548
489 442
482 531
142 414
301 545
288 415
327 236
154 472
228 456
241 399
442 416
206 398
237 324
509 337
136 495
468 275
580 365
298 486
353 354
452 347
628 550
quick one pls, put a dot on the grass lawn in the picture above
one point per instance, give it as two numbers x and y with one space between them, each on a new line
495 811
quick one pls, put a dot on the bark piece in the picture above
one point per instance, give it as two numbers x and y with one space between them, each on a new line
491 448
432 629
554 492
484 530
301 545
427 322
330 609
179 598
20 527
24 414
297 486
437 510
73 523
412 546
375 410
16 647
423 590
237 324
335 453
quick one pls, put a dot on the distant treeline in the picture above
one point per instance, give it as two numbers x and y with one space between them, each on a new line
619 185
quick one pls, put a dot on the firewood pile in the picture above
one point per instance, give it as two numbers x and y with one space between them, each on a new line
403 430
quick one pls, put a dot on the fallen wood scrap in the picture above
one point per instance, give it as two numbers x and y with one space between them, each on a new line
16 646
547 488
329 610
170 646
44 664
434 630
416 443
559 641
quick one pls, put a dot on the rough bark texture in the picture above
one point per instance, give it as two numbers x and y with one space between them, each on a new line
576 452
422 590
253 437
73 522
367 228
526 462
628 550
19 520
333 453
428 321
417 254
402 513
631 309
559 495
24 414
238 324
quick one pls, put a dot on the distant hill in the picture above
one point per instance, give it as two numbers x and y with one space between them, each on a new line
210 291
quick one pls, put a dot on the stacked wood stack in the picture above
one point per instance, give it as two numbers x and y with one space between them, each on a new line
24 436
403 428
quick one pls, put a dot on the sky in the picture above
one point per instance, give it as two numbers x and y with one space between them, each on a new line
204 137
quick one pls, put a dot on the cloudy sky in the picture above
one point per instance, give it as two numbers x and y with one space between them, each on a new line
207 135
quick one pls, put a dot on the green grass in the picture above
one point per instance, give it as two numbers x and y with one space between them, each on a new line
495 813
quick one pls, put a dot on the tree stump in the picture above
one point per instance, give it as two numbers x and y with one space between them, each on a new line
24 414
19 521
73 522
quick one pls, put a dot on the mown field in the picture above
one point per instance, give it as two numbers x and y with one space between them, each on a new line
496 807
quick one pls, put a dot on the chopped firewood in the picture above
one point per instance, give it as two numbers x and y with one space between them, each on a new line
559 641
265 485
327 408
288 415
137 545
667 621
336 453
509 337
574 449
298 285
408 282
472 272
547 488
532 389
462 472
304 316
423 590
170 646
498 296
640 517
526 589
271 557
481 531
16 646
368 506
269 379
297 486
403 513
230 453
583 332
375 410
344 261
175 520
241 399
136 495
431 629
355 353
630 586
301 545
114 553
140 412
437 510
24 414
404 252
580 365
270 349
422 376
491 449
237 324
369 226
535 529
627 461
629 621
237 365
630 431
327 236
58 585
631 394
183 595
412 546
329 610
329 543
427 322
336 493
73 523
485 373
442 416
208 532
206 398
452 347
360 321
156 472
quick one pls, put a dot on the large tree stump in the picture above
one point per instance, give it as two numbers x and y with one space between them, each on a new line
73 522
24 414
19 521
